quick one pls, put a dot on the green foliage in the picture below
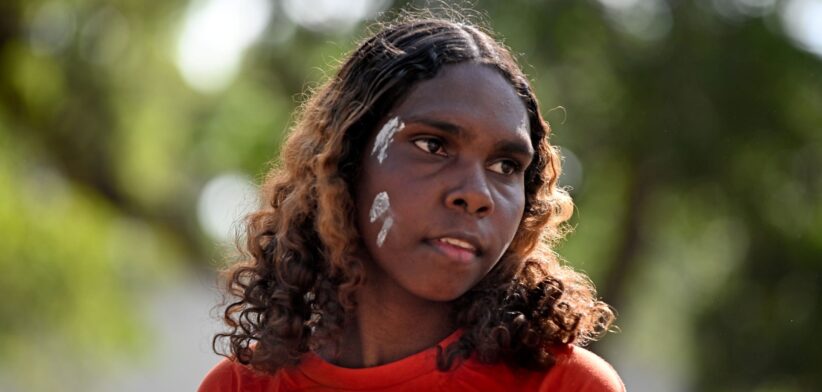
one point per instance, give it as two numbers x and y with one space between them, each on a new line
73 267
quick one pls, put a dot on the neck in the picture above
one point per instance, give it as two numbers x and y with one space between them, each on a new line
390 324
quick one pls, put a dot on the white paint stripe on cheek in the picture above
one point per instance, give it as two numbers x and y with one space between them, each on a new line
379 206
386 225
385 137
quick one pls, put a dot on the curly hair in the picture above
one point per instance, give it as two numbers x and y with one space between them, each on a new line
293 288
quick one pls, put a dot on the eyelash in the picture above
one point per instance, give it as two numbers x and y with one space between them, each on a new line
425 144
515 167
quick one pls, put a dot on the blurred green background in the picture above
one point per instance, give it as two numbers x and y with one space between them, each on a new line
132 132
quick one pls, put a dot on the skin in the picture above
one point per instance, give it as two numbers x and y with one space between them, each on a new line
455 170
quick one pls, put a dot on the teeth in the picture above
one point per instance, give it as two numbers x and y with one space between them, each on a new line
456 242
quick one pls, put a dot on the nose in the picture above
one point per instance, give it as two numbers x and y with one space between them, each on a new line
470 193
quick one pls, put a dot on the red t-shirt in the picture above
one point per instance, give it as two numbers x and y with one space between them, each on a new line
576 369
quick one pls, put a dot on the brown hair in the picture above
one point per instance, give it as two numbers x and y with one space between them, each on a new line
293 289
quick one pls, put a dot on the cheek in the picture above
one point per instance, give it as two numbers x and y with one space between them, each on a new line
511 213
513 203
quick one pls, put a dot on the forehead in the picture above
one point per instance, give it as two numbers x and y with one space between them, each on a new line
474 94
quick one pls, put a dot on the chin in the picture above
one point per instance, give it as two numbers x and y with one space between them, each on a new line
444 295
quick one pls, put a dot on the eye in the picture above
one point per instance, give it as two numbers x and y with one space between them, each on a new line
506 167
430 145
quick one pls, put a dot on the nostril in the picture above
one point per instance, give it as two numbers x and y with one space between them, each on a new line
463 205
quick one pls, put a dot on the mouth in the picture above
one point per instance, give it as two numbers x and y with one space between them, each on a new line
459 249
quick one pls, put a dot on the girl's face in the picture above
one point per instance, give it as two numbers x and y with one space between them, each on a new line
442 192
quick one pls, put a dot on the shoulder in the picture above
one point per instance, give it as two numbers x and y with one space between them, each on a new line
580 370
223 377
229 375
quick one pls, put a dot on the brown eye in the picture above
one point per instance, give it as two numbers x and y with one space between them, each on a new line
430 145
506 167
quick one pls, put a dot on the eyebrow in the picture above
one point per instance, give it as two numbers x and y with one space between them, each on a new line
444 126
506 147
515 148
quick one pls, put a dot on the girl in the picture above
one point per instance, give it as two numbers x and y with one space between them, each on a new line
404 242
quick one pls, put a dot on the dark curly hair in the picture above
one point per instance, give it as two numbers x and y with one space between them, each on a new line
291 291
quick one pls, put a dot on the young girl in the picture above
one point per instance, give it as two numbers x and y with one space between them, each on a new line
404 241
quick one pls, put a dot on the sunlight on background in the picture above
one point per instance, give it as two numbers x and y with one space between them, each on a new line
646 20
216 33
332 16
571 176
802 20
52 27
735 9
223 202
755 7
105 36
214 38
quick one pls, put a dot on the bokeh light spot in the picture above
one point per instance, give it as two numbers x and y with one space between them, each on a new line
223 202
214 37
52 28
332 16
571 176
802 21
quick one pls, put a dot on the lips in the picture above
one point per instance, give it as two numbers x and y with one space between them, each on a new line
459 248
458 243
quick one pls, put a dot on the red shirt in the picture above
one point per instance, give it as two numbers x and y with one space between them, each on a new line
576 370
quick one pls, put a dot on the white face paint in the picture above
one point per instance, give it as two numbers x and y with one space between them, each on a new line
386 225
381 202
385 137
380 207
